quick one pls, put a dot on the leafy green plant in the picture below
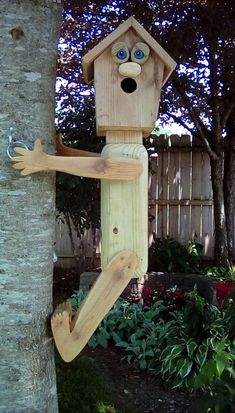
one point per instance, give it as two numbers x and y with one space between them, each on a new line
77 298
126 324
167 254
220 273
220 399
193 349
198 350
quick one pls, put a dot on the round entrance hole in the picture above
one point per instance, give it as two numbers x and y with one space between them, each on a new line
128 85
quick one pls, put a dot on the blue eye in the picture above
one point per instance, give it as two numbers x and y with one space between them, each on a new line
121 54
139 54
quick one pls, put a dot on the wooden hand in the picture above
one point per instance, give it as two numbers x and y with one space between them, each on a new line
30 161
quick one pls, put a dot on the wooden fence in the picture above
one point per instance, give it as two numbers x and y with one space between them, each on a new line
181 193
180 200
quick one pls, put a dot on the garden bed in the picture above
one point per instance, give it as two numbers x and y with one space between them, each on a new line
98 381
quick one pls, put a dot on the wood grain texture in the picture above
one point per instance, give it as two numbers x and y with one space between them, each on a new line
72 335
126 136
124 210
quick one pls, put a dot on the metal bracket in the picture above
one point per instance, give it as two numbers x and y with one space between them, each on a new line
13 143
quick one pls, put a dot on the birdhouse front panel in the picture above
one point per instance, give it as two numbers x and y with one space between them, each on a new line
128 78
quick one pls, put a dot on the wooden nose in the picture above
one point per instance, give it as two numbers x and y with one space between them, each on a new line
130 69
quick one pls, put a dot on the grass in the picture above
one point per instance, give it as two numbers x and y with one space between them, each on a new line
84 387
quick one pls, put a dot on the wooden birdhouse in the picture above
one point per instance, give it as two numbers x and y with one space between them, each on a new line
129 69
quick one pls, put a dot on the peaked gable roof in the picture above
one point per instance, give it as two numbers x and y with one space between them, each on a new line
88 59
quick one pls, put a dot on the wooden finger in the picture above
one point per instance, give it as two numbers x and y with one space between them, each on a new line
29 171
38 145
20 150
19 165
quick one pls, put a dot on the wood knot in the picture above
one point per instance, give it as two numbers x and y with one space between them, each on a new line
17 33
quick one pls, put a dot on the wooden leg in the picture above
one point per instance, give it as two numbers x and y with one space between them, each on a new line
72 336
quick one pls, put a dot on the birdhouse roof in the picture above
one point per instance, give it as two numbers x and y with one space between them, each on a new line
89 58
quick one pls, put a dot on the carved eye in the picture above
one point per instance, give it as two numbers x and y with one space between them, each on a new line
140 53
120 52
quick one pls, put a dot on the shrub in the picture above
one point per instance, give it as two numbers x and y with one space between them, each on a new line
220 273
198 350
193 347
167 254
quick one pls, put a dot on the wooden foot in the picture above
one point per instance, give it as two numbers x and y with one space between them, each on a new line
71 336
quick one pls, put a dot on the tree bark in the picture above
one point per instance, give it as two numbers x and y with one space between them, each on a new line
29 31
217 178
229 183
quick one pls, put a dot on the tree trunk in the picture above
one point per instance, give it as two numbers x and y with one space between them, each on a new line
229 183
221 246
229 199
29 32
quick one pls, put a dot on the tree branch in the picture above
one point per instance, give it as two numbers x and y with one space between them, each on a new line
192 111
216 126
226 113
195 118
178 120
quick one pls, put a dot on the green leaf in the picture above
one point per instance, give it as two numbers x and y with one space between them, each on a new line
104 333
180 364
149 353
176 350
221 362
186 368
212 342
102 340
166 352
201 355
116 338
123 344
143 364
208 371
191 347
135 349
221 345
177 383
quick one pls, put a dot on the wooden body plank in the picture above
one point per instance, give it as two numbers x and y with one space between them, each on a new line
72 336
124 209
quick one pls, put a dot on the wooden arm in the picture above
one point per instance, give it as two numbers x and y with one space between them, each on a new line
100 168
121 169
63 150
72 336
